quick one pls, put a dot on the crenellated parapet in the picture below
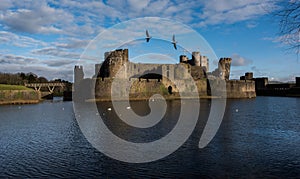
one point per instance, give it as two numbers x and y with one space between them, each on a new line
78 74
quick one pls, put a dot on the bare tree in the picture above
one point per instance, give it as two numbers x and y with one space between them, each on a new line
289 19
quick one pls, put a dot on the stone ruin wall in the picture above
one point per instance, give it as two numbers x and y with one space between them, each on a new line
143 88
240 89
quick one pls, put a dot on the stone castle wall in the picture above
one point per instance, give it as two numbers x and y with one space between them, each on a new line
240 89
144 80
137 89
141 89
144 88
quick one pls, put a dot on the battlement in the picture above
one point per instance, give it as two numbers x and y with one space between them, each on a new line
78 72
247 76
78 67
197 60
116 55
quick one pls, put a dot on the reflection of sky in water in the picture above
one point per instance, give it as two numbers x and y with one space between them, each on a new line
261 139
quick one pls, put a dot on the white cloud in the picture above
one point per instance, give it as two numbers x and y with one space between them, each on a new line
40 18
72 43
50 68
138 5
60 62
231 11
5 4
56 52
15 59
251 25
19 40
237 60
76 18
259 72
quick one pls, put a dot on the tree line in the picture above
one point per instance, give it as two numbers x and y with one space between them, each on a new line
23 78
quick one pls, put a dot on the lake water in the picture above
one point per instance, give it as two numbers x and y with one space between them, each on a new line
257 138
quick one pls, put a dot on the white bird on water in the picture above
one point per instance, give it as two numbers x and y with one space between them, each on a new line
109 109
174 42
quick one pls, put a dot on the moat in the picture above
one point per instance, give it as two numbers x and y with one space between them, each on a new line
258 138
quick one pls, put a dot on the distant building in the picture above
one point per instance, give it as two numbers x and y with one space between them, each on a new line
263 88
298 81
261 83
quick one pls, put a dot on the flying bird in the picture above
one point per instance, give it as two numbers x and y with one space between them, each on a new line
148 36
174 42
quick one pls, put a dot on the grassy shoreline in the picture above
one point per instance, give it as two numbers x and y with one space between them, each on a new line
13 87
16 94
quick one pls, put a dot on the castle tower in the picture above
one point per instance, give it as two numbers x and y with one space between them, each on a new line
249 76
224 68
113 62
78 73
204 63
196 58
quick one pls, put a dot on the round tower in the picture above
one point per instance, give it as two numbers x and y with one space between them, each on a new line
114 61
196 58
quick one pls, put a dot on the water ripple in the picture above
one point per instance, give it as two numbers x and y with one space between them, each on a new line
259 140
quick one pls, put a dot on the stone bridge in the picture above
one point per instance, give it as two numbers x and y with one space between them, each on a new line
49 86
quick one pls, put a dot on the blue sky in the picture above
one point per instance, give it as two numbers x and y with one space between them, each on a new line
47 37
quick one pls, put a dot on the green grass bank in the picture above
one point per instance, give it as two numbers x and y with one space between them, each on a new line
15 94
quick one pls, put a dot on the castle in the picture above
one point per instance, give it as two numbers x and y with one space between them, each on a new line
150 79
118 60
